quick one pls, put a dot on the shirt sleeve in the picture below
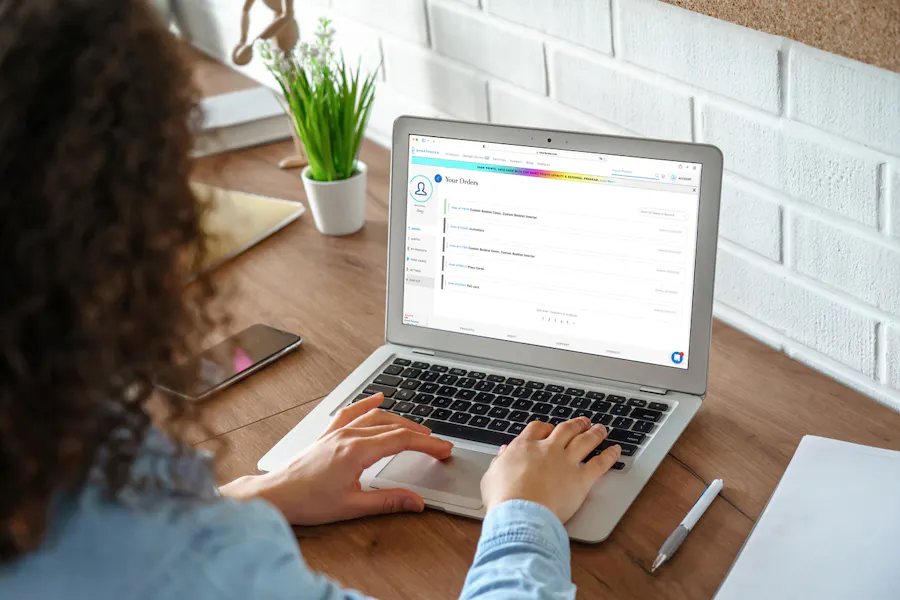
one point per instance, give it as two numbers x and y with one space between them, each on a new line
251 552
523 554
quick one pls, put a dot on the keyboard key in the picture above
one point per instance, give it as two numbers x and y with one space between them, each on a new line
472 434
393 370
415 419
515 381
575 392
410 384
555 388
404 407
616 399
496 378
561 411
522 404
420 365
623 422
516 428
402 362
658 406
422 411
630 437
441 413
521 392
423 398
519 416
447 379
498 425
466 394
557 421
442 402
618 466
411 372
582 413
627 449
461 405
535 385
373 388
542 408
645 414
446 390
637 402
405 395
439 368
642 426
460 417
461 372
619 410
503 401
465 382
479 421
601 406
534 417
596 395
604 420
580 403
498 412
477 375
480 409
484 386
430 376
429 388
561 399
484 397
388 403
504 389
541 396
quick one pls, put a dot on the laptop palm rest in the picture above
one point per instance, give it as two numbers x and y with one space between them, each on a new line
456 480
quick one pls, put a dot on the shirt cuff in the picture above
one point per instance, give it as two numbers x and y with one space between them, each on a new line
517 522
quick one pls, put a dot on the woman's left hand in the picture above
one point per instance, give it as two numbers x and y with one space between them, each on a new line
322 484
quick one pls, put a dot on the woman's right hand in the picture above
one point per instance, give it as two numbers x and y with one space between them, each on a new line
543 465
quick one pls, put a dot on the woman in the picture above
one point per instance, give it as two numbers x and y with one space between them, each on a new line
96 224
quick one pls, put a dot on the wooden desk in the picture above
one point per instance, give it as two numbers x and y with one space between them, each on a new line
331 290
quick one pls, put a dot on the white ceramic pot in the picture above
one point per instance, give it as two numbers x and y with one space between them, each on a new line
338 207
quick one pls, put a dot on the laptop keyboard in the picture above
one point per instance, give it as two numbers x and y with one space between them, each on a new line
493 409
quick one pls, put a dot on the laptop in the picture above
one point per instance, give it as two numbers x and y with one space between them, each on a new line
538 275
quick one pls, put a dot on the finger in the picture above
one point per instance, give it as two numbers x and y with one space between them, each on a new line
384 502
597 467
584 443
566 432
536 430
383 417
393 442
499 452
353 411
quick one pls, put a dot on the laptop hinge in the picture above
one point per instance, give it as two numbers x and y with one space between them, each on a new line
653 390
423 352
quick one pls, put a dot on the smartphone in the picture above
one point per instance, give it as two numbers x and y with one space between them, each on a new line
228 362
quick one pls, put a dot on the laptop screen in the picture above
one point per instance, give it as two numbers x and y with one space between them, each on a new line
578 251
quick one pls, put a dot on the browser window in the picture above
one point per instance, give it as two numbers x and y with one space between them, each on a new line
571 250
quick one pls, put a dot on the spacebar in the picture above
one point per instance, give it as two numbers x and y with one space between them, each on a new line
472 434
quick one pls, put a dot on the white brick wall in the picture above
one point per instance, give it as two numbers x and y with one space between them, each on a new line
809 257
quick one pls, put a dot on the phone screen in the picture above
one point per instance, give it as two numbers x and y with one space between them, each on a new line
227 360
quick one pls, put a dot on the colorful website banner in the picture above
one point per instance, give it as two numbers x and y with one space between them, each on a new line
509 170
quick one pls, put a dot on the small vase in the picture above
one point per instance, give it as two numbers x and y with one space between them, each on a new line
338 207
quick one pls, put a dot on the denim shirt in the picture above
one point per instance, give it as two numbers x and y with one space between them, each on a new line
182 542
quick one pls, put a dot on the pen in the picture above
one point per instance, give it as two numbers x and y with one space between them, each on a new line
671 545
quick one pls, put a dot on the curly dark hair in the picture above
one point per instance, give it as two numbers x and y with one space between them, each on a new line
97 227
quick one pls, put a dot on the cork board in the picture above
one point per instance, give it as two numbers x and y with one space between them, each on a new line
866 30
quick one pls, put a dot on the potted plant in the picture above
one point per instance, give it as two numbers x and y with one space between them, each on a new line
329 104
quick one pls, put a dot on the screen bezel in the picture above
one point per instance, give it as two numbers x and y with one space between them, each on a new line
692 380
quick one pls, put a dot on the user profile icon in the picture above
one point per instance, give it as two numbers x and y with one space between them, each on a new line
420 189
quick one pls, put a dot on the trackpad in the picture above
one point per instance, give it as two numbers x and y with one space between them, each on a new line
456 480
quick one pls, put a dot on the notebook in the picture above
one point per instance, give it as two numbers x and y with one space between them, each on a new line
831 529
237 221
